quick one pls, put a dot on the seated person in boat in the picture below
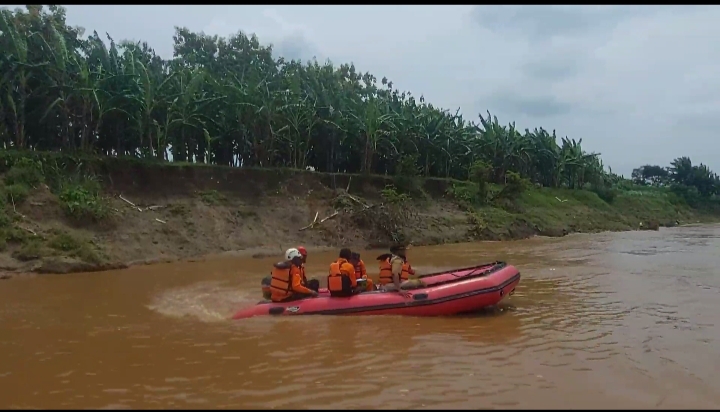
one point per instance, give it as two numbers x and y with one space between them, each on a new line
395 268
286 282
341 280
313 284
361 272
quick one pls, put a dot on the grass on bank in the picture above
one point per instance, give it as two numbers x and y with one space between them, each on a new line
78 195
79 192
26 246
555 211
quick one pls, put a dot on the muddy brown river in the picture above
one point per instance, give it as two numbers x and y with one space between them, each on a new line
616 320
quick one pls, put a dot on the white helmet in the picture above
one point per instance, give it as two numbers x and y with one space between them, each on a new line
292 253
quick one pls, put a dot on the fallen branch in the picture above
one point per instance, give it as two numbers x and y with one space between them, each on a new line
130 203
29 230
358 201
161 221
315 221
12 199
311 224
155 207
329 217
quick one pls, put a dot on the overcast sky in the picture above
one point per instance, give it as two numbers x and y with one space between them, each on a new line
638 84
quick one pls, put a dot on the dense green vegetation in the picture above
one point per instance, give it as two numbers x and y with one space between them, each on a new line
697 184
229 101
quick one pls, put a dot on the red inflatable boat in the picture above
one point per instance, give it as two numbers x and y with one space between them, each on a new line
444 293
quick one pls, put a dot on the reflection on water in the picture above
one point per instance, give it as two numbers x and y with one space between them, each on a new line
612 320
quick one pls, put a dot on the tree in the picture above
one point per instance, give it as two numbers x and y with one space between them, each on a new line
650 174
230 101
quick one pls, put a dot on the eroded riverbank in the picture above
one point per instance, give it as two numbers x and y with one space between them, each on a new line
158 212
611 320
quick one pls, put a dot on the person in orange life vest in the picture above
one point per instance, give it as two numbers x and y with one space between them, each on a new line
286 280
341 280
360 272
313 284
395 268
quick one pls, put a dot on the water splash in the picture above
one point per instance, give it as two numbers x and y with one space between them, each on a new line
204 301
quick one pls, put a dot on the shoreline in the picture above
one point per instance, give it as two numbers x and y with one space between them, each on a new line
265 252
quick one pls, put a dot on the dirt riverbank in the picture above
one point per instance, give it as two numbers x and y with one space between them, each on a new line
161 212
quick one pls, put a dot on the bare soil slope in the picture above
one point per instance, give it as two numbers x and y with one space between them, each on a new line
168 212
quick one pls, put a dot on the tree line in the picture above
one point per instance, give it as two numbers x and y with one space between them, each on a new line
682 176
229 101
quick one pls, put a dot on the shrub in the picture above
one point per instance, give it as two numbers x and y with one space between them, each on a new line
390 195
30 250
25 172
514 186
605 193
212 197
480 173
64 242
82 202
464 194
16 193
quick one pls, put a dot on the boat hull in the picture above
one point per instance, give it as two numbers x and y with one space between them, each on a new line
445 293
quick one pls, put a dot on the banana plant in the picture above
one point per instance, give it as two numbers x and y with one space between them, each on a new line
234 101
375 125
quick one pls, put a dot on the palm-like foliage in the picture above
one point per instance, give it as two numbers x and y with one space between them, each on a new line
229 102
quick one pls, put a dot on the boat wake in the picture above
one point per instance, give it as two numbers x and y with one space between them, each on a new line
204 301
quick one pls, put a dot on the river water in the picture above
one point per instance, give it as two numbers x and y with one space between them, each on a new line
615 320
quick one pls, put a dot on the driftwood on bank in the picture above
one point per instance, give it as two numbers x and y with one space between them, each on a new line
130 203
312 224
316 222
343 194
139 209
12 200
337 212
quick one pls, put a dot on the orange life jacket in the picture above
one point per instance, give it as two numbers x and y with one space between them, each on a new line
360 270
386 271
339 278
281 280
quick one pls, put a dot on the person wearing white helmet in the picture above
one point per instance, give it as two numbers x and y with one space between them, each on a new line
286 282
